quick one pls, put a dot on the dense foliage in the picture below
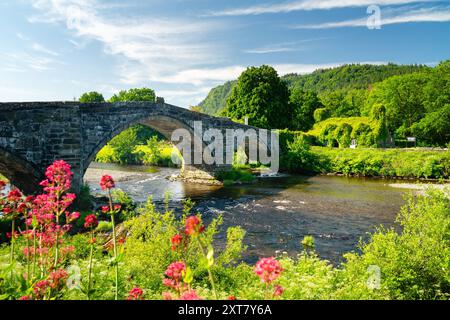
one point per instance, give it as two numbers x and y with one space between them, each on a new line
92 96
155 255
299 156
405 100
347 77
262 97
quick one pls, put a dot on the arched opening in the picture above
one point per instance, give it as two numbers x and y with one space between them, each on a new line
143 179
19 172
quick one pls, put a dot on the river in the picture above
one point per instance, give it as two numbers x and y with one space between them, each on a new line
277 212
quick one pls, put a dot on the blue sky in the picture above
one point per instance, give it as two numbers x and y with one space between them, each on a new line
58 49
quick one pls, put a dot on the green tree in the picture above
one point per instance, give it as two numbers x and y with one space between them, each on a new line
434 128
261 96
137 94
124 143
92 96
403 98
303 106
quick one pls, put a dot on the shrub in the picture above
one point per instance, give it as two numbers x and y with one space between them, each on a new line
415 263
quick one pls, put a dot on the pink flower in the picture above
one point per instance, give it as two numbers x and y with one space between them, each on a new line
117 207
105 209
176 241
194 226
72 217
268 269
59 177
26 298
90 221
175 270
278 291
190 295
107 182
135 294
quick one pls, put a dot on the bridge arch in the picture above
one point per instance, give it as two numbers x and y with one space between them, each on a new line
163 124
21 173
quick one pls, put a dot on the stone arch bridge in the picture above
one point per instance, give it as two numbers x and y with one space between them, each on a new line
34 134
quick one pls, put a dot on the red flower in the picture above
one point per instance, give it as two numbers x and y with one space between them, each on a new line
117 207
90 221
2 184
176 241
278 291
105 209
57 278
175 270
190 295
15 195
232 298
26 298
135 294
268 269
40 288
194 226
107 182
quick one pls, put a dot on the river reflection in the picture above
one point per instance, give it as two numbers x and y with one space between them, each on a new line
276 212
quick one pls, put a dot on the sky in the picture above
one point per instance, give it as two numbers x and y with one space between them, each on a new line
59 49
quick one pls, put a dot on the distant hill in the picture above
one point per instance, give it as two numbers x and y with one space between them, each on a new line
353 76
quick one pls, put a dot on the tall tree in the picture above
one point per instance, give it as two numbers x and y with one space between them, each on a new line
261 96
303 105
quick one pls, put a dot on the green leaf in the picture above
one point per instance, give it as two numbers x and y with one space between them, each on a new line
188 276
210 257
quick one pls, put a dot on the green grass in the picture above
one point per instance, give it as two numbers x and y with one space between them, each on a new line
407 163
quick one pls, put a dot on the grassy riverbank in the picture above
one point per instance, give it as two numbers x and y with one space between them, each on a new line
299 156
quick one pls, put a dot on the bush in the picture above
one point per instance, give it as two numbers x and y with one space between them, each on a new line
415 263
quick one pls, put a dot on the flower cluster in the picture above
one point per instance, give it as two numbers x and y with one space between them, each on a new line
268 269
174 273
107 182
194 226
135 294
46 219
59 178
90 221
176 241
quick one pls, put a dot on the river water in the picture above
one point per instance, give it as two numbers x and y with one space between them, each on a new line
277 212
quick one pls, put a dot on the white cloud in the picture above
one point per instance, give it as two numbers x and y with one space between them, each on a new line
40 48
420 15
151 48
22 62
307 5
282 47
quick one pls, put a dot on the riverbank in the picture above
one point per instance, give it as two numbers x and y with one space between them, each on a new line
299 156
